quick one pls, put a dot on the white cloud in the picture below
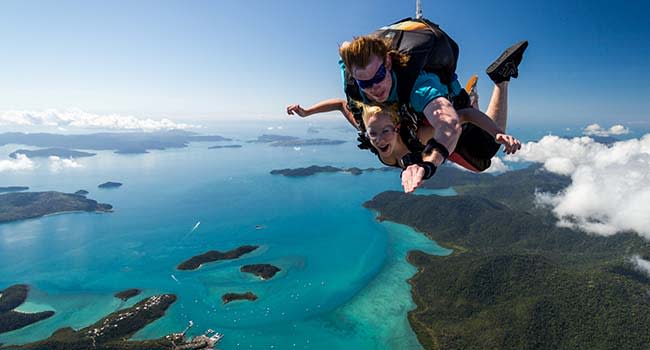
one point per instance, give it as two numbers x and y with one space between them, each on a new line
597 130
497 166
641 264
610 189
80 119
57 164
20 163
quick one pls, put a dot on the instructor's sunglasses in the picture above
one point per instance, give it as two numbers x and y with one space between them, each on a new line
378 78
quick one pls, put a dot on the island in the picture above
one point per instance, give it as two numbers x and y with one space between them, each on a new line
121 142
49 152
13 189
132 150
27 205
228 297
81 192
264 271
306 142
110 184
317 169
308 171
292 141
268 138
515 280
11 298
224 146
114 331
213 255
127 294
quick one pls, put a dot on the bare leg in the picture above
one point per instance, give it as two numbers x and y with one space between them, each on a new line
500 71
498 107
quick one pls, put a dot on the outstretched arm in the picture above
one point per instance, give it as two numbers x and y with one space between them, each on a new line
443 118
330 105
480 119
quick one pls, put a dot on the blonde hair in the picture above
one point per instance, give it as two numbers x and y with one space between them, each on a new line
370 111
359 51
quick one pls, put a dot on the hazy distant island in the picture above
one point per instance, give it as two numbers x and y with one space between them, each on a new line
110 184
125 142
27 205
264 271
48 152
306 142
11 298
228 297
127 294
13 189
292 141
213 255
132 150
225 146
516 280
81 192
316 169
268 138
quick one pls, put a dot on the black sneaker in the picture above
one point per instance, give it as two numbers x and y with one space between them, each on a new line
505 67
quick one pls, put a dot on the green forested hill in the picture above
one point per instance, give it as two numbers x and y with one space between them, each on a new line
515 280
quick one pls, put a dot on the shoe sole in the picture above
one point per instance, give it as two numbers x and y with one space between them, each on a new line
516 48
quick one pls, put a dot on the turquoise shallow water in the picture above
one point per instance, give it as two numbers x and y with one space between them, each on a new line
343 279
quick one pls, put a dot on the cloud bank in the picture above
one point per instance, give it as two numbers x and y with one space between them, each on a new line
610 189
641 264
57 164
20 163
497 166
80 119
597 130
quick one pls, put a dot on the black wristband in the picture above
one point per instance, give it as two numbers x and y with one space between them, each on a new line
429 169
410 159
433 144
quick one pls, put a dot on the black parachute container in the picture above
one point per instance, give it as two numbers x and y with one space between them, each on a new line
429 48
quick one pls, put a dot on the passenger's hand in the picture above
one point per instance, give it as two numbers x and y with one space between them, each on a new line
296 109
412 177
511 144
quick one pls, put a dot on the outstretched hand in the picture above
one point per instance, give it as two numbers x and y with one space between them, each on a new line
296 109
510 144
412 177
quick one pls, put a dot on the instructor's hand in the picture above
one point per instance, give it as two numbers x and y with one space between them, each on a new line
412 177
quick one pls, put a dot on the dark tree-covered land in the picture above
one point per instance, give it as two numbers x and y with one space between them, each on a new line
127 294
214 255
11 298
27 205
112 332
264 271
228 297
515 279
317 169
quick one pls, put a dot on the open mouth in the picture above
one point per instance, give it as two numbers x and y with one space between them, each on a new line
384 148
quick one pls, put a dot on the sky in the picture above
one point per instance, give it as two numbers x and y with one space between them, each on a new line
189 62
151 65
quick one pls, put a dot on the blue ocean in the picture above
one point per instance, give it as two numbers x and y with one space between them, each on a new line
343 280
